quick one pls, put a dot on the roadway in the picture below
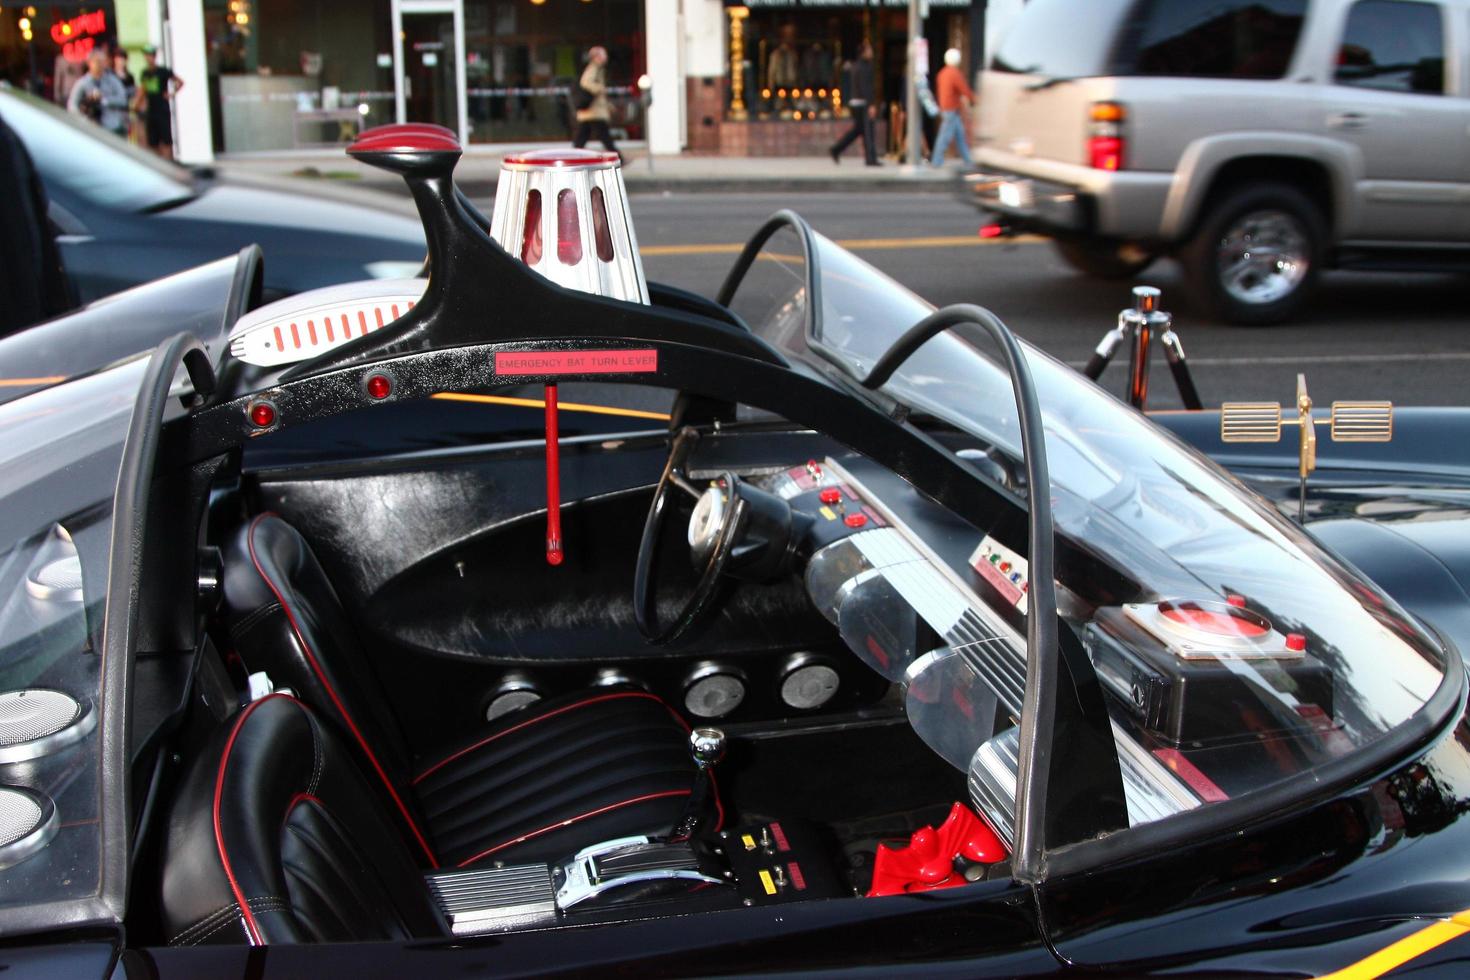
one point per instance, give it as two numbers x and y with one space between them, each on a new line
1368 335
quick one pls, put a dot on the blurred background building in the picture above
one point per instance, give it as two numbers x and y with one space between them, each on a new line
762 77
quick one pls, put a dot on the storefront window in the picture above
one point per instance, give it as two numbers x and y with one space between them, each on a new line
291 73
522 58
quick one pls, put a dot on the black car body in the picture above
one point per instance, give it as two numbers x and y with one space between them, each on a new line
863 499
123 217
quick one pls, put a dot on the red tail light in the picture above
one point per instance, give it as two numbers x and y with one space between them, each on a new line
1105 152
1105 142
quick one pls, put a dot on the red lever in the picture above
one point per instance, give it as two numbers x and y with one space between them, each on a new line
554 554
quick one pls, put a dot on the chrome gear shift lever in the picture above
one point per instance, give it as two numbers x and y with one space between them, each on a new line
707 748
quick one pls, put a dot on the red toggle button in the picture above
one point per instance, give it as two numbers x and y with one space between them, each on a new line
830 495
855 520
1296 642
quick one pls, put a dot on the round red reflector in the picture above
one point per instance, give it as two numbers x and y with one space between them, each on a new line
263 414
1225 621
830 495
855 520
1296 642
379 386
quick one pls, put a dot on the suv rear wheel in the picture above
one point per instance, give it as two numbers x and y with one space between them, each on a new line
1104 260
1257 253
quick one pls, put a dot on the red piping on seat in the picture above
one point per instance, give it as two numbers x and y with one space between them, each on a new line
568 822
296 801
252 931
531 721
332 692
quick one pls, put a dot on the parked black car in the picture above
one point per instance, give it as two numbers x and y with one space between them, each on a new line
123 217
1163 729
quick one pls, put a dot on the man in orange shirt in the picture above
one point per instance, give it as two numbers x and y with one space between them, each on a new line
955 95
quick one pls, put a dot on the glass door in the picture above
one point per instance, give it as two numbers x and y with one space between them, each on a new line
430 69
428 62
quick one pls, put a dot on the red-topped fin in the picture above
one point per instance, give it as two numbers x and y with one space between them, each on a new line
405 138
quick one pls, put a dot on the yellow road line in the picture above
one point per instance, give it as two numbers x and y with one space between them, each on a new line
30 382
1395 955
632 413
858 244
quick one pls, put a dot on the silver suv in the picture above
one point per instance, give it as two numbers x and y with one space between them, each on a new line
1256 141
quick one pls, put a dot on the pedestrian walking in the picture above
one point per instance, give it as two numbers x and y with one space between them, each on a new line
590 100
157 85
955 97
860 104
100 96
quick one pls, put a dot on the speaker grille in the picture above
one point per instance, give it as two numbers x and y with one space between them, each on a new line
19 815
27 824
58 581
37 722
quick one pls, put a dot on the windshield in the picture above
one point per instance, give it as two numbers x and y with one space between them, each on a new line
1238 653
60 450
76 157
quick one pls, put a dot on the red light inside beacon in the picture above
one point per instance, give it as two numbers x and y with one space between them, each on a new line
263 414
379 386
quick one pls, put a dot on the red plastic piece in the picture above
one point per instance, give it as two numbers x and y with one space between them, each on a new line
405 138
561 158
855 520
568 228
1296 642
263 414
379 386
1210 621
991 231
1238 601
554 553
830 495
928 862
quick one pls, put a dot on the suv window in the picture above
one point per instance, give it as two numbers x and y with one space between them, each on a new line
1212 38
1061 38
1394 46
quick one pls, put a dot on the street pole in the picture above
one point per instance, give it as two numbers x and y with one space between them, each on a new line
911 91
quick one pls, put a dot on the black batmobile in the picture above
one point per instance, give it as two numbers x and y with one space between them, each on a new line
892 646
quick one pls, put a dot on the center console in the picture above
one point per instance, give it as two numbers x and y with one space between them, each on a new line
634 877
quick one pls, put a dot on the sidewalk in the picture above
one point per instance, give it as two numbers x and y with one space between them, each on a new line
479 169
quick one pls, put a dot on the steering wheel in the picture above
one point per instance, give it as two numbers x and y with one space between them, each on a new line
715 527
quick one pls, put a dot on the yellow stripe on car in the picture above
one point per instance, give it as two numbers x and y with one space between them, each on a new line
1395 955
631 413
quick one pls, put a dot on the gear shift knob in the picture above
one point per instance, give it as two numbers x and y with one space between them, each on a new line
707 746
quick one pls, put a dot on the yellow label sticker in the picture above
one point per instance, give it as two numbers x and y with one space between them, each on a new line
767 883
827 513
748 841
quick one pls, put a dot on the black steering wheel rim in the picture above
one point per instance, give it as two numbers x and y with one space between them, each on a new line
645 576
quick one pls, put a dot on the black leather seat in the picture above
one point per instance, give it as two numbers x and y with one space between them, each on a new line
536 785
275 837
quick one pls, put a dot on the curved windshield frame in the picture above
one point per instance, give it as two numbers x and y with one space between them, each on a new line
76 157
1176 526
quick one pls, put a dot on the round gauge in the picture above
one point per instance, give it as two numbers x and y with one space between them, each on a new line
704 524
809 686
714 693
514 693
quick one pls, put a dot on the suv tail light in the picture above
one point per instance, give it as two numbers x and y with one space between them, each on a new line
1105 142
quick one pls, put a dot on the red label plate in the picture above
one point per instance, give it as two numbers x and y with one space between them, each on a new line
577 362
